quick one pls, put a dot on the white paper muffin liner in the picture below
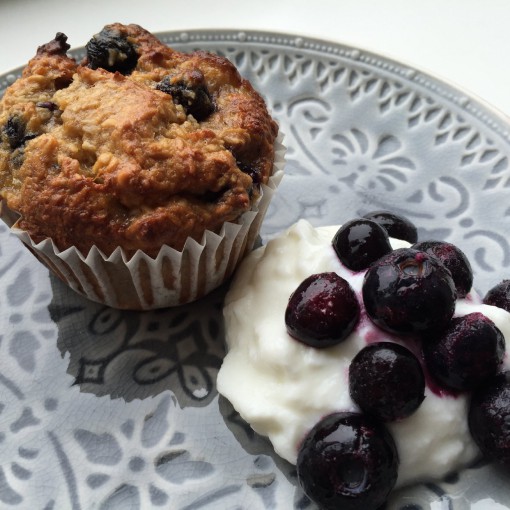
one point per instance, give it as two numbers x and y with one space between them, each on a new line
173 277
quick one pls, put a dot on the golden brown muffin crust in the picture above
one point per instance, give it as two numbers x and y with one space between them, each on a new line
171 146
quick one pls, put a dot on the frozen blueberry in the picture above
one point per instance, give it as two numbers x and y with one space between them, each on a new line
468 353
110 50
397 226
455 261
348 461
409 292
322 311
360 242
499 296
386 381
489 418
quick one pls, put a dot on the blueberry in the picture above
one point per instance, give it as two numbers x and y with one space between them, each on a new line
322 311
57 46
455 261
499 296
469 352
348 461
250 169
409 292
489 418
360 242
190 92
397 226
386 381
47 105
14 132
110 50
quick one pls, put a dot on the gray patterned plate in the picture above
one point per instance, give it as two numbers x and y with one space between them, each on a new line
102 409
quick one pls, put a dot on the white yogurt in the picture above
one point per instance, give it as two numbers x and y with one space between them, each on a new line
282 388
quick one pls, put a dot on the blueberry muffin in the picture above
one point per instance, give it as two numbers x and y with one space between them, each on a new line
137 146
137 149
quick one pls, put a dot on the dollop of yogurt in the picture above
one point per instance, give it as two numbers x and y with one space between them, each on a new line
282 388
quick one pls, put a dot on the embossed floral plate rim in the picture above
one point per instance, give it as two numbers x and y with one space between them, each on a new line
490 117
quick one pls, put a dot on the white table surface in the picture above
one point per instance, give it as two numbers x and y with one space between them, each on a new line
465 42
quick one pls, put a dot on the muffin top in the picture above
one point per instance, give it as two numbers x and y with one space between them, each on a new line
137 146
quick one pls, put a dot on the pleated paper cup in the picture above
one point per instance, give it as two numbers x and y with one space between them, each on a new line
172 278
